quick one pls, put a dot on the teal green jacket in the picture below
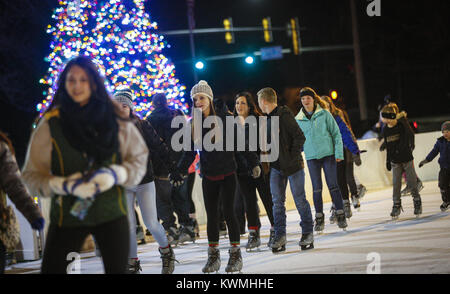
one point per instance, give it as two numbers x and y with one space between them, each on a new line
323 137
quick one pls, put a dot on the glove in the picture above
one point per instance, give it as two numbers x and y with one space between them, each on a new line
176 179
383 147
63 185
423 162
256 172
38 224
388 165
356 159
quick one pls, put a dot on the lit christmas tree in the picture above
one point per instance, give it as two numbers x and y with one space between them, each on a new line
119 37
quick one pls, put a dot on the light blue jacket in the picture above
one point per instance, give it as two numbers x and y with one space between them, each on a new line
323 137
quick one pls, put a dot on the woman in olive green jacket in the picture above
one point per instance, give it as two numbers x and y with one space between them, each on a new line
82 154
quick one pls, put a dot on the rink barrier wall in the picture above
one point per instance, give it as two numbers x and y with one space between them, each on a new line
372 173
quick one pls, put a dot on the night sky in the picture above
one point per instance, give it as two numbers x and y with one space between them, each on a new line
405 53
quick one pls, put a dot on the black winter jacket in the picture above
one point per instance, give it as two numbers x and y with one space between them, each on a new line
157 148
161 120
216 163
291 142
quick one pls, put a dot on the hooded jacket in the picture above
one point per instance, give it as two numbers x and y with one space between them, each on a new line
323 137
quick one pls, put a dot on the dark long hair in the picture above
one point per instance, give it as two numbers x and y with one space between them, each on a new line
253 109
91 128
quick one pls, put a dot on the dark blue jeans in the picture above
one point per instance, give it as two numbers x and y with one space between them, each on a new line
170 200
329 166
278 184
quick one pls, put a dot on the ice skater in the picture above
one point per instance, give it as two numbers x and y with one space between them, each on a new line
289 166
442 147
323 150
83 155
399 140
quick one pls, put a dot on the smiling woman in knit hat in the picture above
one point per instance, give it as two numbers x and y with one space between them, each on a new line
218 168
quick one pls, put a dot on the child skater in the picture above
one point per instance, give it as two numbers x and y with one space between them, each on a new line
442 146
399 140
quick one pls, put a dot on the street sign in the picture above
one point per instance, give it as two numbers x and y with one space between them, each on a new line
269 53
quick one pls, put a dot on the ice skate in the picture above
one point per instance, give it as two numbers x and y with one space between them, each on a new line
340 219
196 228
235 260
356 203
396 210
213 262
140 236
444 206
417 207
319 223
279 244
168 260
172 236
254 240
307 241
333 215
223 230
445 200
361 191
347 209
187 235
271 237
134 266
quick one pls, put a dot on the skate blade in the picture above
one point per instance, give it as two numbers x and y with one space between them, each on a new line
307 247
278 250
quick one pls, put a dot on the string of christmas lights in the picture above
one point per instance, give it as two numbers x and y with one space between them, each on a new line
119 36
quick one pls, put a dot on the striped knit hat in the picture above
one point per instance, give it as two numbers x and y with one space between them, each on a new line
125 96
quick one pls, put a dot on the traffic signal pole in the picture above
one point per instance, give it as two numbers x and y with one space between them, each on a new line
358 65
191 23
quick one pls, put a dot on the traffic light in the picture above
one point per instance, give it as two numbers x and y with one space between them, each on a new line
333 94
229 35
267 27
295 34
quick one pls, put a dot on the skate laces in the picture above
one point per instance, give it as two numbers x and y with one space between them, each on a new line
167 258
235 255
212 258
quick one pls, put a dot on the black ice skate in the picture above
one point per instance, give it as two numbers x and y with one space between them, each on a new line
340 218
168 260
347 209
279 244
213 262
417 207
254 240
140 236
235 260
172 236
187 234
307 241
361 191
445 200
319 223
134 266
356 203
223 229
333 215
271 237
396 210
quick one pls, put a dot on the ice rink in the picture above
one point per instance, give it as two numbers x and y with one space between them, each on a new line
372 243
